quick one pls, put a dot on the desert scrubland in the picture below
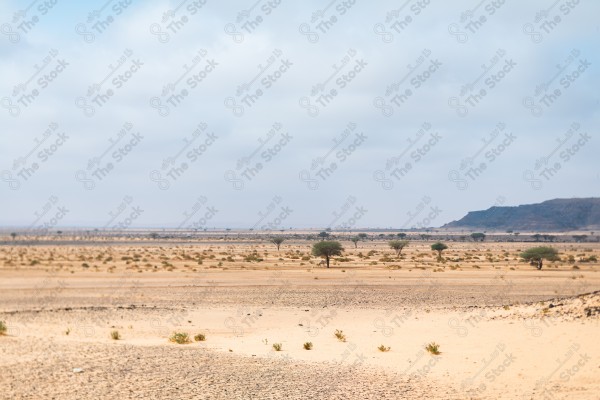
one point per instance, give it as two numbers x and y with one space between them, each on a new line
101 319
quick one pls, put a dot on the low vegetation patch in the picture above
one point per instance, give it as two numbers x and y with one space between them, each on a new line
201 337
180 338
433 348
3 328
253 257
308 346
384 349
277 346
340 335
115 335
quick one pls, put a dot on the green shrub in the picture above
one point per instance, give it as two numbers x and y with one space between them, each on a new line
180 338
201 337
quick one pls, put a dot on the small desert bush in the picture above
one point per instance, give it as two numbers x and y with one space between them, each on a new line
115 335
308 346
433 348
252 257
383 348
277 346
3 328
340 335
201 337
179 338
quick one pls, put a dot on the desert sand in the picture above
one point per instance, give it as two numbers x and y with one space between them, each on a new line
505 330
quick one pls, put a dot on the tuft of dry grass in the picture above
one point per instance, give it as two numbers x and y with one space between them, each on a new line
115 335
308 346
384 349
433 348
277 346
340 335
3 328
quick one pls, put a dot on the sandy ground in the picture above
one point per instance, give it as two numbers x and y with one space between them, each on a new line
503 333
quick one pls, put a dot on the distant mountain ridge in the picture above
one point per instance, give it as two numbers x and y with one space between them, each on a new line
552 215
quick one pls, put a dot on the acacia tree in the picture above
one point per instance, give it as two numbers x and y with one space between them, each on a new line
355 240
439 247
13 235
398 245
538 254
327 249
363 236
277 241
323 235
478 236
580 238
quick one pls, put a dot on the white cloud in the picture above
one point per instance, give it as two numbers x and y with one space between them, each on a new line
313 137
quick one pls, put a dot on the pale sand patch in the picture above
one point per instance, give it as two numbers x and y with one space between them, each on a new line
486 352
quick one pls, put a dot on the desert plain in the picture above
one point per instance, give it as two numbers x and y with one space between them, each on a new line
96 318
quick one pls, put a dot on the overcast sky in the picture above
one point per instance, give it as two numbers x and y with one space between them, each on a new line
278 114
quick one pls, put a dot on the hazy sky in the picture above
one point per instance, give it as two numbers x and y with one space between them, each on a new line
277 114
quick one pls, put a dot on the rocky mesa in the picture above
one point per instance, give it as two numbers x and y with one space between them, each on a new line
552 215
